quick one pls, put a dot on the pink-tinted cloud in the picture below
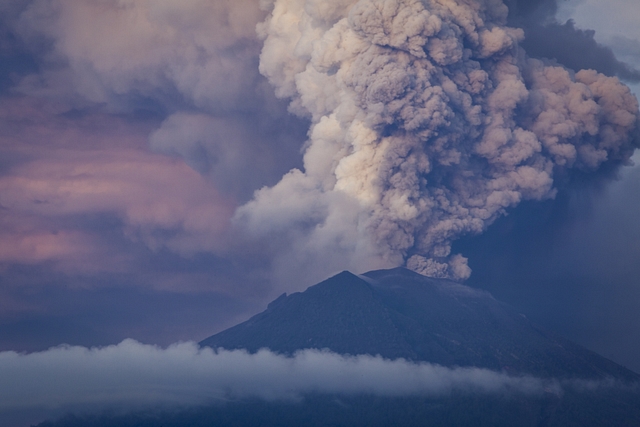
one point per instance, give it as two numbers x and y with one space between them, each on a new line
33 128
59 169
41 246
196 60
149 193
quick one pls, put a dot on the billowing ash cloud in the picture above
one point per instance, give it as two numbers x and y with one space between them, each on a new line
429 121
131 375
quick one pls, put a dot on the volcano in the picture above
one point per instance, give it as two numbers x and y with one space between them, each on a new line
401 314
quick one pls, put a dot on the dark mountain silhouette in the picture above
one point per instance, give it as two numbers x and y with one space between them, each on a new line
401 314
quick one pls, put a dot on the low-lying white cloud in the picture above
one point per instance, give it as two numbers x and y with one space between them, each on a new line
185 373
132 375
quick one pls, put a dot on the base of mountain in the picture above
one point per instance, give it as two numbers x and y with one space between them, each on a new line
579 409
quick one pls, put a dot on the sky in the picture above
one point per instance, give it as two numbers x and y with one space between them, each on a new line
167 168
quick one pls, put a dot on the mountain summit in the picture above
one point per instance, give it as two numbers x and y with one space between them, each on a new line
401 314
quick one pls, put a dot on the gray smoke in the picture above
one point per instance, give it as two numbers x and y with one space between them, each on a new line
429 121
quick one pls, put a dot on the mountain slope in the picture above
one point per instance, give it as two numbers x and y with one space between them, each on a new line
401 314
398 313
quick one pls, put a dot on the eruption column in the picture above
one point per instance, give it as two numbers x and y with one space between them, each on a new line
428 121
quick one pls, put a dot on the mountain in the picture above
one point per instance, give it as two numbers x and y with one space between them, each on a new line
401 314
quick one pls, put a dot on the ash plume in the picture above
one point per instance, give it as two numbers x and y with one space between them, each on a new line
428 121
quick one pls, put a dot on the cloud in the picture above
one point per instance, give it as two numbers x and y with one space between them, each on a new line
132 376
75 250
159 200
429 121
615 19
578 50
194 63
83 196
58 172
550 32
239 153
205 50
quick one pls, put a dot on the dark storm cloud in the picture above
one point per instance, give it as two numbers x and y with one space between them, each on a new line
571 46
576 49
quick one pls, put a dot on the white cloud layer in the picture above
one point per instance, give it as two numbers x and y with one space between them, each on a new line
132 375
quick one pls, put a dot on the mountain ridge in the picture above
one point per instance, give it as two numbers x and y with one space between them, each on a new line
398 313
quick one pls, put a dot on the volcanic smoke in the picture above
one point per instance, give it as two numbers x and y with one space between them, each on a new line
428 122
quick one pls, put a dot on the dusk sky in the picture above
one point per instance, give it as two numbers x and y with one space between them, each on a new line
167 168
